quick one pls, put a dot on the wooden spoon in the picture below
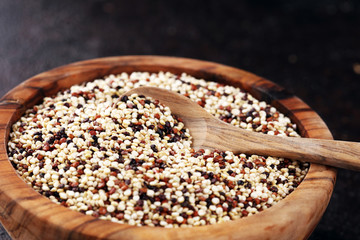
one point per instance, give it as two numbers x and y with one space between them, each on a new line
212 133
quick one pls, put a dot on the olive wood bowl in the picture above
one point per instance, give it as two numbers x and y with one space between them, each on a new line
28 215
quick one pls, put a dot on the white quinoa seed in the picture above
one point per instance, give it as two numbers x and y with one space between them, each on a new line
129 160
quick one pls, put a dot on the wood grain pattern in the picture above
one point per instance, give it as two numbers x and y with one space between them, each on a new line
28 215
211 133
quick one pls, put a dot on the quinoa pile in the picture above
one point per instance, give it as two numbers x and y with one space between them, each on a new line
129 160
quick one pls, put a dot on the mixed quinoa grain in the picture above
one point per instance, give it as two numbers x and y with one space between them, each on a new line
129 160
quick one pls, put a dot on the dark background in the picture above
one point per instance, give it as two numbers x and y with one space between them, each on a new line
312 48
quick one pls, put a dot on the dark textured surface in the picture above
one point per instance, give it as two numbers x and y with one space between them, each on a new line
312 48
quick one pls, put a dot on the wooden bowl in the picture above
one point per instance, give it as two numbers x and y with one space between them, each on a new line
28 215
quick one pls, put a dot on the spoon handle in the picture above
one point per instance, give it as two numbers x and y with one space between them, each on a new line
327 152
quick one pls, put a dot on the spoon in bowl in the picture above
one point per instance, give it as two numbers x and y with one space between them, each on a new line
212 133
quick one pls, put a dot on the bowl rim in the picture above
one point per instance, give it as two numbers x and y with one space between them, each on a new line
28 215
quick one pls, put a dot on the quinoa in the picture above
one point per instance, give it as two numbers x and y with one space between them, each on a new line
129 160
